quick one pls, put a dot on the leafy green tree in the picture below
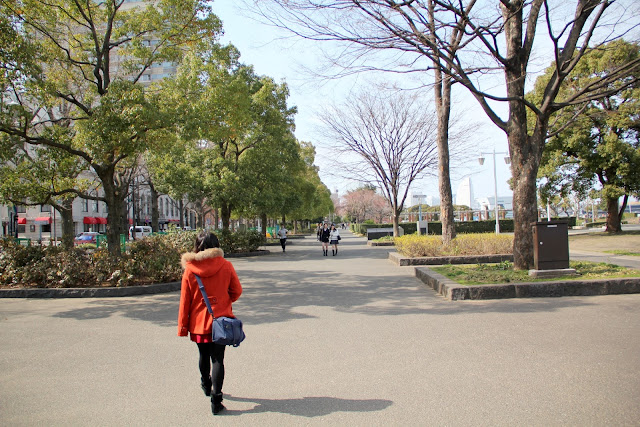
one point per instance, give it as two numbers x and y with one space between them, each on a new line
93 56
32 175
315 197
275 167
597 143
230 113
40 176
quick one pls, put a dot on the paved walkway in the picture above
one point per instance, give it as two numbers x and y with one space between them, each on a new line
347 340
593 256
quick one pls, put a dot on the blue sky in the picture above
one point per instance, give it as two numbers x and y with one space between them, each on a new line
273 53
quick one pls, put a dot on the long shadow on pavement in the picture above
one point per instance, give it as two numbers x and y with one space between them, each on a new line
309 406
304 278
272 297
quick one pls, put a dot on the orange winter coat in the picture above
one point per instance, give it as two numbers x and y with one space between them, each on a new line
221 283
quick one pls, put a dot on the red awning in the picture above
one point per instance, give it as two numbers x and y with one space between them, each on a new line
173 220
101 220
22 220
43 220
89 220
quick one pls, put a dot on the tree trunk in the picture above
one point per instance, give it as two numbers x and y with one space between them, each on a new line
114 198
200 215
614 216
525 151
443 109
181 209
524 214
155 215
65 209
225 215
396 222
263 220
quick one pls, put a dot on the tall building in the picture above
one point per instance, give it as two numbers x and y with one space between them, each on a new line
464 195
417 199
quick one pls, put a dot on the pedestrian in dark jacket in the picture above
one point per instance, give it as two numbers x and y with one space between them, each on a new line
325 233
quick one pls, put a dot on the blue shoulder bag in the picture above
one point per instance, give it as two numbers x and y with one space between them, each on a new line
224 330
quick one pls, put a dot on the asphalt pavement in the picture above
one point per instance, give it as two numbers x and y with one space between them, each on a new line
347 340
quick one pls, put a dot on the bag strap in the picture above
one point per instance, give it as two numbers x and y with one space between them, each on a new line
204 295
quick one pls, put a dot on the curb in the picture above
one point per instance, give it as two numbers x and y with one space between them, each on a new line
453 291
396 258
371 243
246 254
108 292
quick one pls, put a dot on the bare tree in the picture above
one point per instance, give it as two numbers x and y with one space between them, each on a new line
489 39
342 21
394 137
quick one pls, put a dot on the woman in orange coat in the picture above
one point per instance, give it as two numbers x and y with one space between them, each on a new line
223 287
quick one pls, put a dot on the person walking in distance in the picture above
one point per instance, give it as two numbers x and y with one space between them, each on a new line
325 233
223 288
282 234
334 237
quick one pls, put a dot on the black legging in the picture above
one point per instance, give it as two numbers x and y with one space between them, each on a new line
211 352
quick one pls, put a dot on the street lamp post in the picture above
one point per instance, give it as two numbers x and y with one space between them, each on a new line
507 160
420 207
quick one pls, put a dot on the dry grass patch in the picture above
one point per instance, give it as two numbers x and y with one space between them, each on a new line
413 245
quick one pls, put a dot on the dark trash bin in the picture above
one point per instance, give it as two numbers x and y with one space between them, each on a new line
550 245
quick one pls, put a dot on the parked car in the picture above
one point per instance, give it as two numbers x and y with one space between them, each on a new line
142 231
86 237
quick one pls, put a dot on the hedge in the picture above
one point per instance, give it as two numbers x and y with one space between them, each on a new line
435 228
409 227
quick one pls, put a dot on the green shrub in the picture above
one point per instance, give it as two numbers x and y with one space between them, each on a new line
240 241
413 245
155 259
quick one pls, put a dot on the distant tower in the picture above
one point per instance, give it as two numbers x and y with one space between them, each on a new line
335 197
464 195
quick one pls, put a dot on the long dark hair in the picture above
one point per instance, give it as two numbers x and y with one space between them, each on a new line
206 240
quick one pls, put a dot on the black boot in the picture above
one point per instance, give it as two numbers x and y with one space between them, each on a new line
333 252
216 404
206 386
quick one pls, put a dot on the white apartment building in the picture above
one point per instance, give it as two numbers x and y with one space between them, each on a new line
43 222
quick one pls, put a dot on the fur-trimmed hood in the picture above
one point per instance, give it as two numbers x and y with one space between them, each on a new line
204 263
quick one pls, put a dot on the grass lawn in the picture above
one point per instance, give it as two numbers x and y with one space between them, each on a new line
482 274
623 252
605 242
